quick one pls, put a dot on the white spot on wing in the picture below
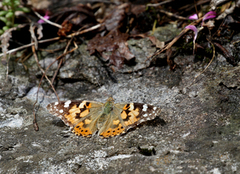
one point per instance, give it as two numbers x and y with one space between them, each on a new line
145 107
67 103
145 115
154 108
131 106
61 111
56 103
82 104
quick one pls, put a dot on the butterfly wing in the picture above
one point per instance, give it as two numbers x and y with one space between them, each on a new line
126 116
135 113
81 116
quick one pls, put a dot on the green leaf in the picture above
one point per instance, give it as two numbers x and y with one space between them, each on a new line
8 2
3 13
1 32
16 3
5 28
9 14
9 23
24 9
3 19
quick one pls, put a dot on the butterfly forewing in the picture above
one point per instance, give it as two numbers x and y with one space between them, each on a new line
135 113
73 112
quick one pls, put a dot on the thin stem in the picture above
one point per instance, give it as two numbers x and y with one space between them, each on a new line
13 10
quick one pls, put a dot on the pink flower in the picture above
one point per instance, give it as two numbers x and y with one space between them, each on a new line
194 17
45 17
194 29
209 15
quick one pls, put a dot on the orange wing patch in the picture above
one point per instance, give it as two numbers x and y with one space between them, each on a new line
129 114
84 108
75 113
111 132
85 128
80 130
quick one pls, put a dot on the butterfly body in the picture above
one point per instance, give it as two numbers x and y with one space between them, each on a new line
109 119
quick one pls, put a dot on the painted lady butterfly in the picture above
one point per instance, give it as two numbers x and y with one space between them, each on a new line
109 119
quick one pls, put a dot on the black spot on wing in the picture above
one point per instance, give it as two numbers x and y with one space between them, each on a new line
127 111
87 104
82 109
127 105
77 104
77 116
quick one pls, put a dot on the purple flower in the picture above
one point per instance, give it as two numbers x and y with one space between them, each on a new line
194 17
209 15
45 17
194 29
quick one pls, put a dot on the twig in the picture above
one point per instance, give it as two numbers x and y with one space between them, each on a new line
35 125
174 15
60 63
169 45
189 6
35 41
7 67
51 23
36 58
61 57
158 4
30 44
84 31
55 38
207 65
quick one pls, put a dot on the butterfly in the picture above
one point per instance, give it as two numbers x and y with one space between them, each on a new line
108 119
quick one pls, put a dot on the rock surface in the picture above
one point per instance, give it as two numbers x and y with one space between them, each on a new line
200 132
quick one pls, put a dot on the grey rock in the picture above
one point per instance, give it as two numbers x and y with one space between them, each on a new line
196 132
